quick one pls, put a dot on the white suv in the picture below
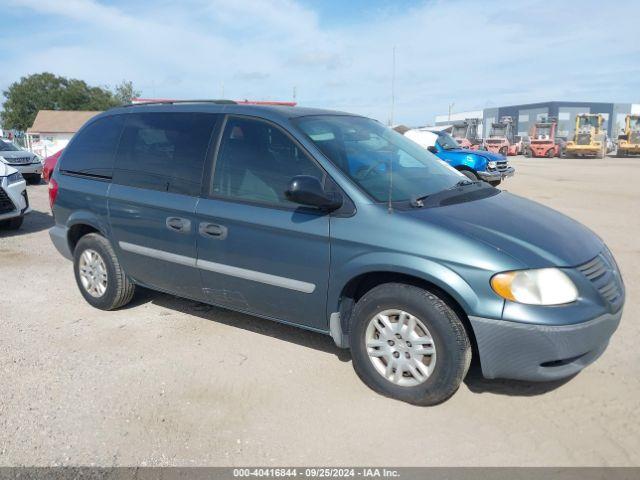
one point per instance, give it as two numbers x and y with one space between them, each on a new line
14 202
27 163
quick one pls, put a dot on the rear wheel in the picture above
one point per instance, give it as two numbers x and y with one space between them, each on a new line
406 343
99 276
551 153
13 223
504 151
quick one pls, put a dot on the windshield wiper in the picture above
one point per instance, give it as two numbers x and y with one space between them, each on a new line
418 201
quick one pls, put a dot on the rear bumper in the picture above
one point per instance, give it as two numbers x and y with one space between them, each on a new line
58 234
531 352
496 175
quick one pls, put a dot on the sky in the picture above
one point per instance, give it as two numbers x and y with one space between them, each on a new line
335 54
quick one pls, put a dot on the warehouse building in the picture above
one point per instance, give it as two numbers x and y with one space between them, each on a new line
526 115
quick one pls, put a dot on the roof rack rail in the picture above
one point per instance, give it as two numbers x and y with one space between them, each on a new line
171 102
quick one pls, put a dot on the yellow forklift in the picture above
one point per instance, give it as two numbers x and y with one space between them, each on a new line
589 139
629 140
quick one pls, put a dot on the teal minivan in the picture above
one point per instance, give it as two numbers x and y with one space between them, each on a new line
334 223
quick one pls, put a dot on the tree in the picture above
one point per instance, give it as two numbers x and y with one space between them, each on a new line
46 91
125 92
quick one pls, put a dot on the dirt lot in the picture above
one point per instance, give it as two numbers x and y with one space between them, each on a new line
172 382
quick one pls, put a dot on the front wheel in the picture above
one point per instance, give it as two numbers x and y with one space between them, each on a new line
408 344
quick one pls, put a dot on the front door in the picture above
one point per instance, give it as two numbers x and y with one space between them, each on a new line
258 252
152 201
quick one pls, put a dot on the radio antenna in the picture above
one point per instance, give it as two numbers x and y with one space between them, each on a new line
390 202
393 104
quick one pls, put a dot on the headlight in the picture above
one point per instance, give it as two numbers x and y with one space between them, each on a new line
14 178
545 286
492 164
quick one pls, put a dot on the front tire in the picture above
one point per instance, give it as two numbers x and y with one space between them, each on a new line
99 275
33 178
408 344
13 223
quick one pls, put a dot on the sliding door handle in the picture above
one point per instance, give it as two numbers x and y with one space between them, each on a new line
177 224
213 230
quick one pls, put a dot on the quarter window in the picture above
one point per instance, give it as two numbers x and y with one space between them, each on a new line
256 162
164 151
91 151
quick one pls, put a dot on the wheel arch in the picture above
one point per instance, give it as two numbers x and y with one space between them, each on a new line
360 284
82 223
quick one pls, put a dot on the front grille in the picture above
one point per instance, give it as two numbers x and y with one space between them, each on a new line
502 165
494 141
634 138
584 138
6 205
19 160
603 273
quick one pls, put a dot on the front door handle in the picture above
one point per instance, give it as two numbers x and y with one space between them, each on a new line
213 230
177 224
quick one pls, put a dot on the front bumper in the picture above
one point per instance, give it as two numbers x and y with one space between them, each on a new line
532 352
29 169
17 193
495 175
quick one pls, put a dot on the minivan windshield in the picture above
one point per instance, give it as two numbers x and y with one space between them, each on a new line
8 147
370 154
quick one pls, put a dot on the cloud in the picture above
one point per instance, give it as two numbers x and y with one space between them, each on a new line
470 53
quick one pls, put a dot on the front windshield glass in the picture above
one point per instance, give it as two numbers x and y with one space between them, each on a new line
8 147
446 141
543 132
588 122
498 131
369 153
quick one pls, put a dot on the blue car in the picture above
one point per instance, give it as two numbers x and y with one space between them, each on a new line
333 223
475 164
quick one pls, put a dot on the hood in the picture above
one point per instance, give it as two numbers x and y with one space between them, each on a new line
533 234
6 169
489 156
17 154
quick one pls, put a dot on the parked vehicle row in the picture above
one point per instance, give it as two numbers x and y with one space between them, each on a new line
334 223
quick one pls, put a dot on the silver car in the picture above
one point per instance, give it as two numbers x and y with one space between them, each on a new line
27 163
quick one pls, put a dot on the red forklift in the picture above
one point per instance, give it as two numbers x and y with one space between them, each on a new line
466 133
544 139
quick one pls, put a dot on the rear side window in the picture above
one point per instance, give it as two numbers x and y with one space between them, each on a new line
164 151
91 152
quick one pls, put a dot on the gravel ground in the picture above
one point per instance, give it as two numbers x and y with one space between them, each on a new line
172 382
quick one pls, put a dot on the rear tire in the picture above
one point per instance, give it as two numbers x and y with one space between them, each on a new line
99 275
13 223
551 153
430 370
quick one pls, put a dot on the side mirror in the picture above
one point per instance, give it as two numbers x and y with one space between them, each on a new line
432 149
307 190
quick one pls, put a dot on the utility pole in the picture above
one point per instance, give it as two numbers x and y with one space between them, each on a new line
295 93
451 105
393 86
222 90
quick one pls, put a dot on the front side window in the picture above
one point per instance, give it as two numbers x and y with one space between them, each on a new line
256 162
372 155
92 150
164 151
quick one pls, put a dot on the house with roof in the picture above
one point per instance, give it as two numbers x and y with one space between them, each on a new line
52 130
